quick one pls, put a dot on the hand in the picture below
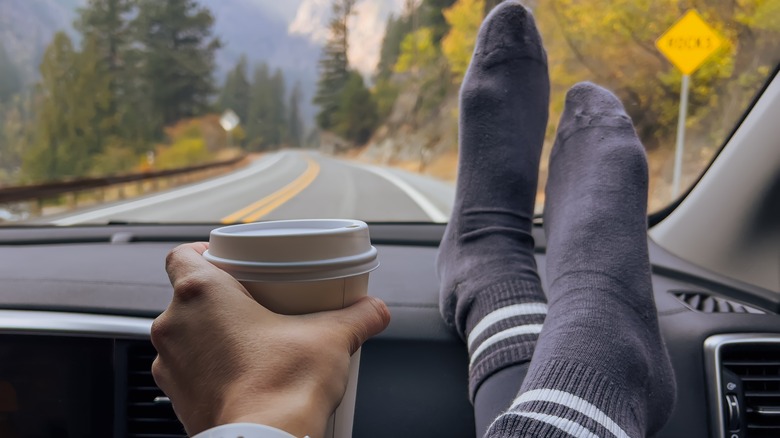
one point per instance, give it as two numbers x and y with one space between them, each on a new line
224 358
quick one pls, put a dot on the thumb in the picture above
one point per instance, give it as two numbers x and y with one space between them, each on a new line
360 321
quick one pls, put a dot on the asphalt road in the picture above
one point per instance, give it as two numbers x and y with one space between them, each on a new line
285 185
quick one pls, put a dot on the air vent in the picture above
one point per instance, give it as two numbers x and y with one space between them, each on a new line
149 413
751 373
705 303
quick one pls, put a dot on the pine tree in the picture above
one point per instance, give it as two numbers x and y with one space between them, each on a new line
10 80
16 117
395 31
105 24
294 123
235 92
258 113
278 122
72 95
430 15
356 117
334 64
176 57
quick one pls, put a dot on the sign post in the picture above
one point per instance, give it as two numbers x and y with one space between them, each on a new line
229 122
679 148
687 44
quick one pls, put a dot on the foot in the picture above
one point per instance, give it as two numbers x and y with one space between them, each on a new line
600 360
490 289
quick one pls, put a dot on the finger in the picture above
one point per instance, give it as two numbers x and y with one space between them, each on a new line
184 259
192 275
160 375
360 321
160 331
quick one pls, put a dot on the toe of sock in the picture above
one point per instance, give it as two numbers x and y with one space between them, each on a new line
589 106
586 98
509 32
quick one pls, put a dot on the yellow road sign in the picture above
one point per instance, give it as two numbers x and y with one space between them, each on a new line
689 42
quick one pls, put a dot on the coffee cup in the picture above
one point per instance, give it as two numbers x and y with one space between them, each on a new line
302 266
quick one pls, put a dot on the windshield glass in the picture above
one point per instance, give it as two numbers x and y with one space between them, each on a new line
224 111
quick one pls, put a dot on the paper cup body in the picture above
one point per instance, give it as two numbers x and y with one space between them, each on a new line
301 267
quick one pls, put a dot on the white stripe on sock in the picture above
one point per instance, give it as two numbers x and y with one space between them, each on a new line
568 426
505 313
573 402
506 334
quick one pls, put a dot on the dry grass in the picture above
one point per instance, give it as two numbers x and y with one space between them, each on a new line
444 167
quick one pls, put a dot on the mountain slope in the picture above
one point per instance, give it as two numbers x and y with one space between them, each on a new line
257 28
26 27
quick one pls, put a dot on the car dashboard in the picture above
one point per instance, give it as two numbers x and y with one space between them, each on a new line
76 306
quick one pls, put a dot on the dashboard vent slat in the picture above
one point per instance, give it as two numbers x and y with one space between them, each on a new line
758 368
706 303
147 418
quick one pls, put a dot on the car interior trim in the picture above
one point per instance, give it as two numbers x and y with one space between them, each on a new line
712 356
25 322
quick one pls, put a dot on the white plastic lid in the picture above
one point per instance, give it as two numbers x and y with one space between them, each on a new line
297 250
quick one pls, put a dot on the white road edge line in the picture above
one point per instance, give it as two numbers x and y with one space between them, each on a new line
156 199
426 205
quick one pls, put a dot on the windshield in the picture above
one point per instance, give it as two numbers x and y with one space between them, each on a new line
217 111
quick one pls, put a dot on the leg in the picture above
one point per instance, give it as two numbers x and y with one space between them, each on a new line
495 395
490 289
600 368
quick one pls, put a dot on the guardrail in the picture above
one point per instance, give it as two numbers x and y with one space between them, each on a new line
41 192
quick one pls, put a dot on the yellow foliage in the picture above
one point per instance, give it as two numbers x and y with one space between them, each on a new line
185 152
187 128
206 127
464 18
760 14
417 51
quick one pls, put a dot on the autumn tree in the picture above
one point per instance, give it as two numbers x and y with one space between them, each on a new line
464 19
617 49
418 51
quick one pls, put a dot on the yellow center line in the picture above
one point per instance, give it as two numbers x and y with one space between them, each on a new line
273 201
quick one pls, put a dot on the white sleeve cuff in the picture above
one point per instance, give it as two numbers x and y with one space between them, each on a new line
243 430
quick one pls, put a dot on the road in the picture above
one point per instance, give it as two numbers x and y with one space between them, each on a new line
286 185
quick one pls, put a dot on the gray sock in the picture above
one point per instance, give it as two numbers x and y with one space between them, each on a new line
490 289
600 367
